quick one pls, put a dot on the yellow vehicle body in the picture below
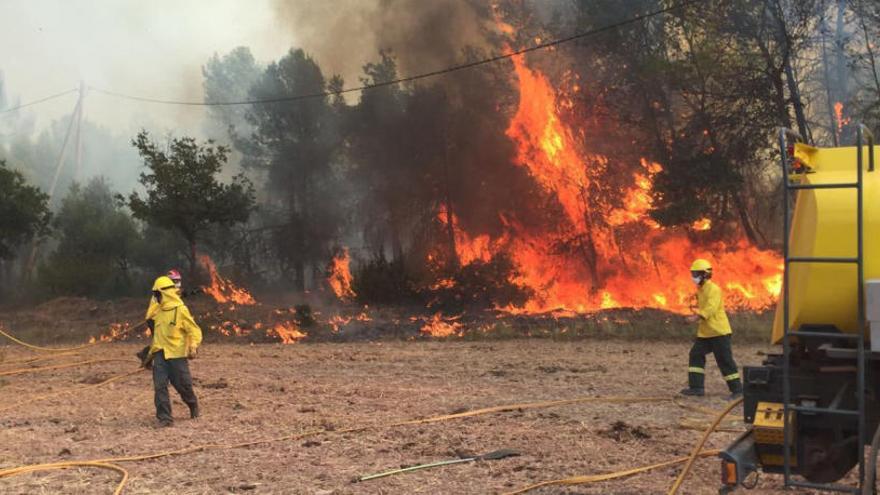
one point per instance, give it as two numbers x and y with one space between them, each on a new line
824 224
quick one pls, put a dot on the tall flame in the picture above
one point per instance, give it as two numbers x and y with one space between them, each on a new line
621 257
838 116
222 290
340 275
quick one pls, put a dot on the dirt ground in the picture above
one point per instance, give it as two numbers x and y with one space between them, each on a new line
251 392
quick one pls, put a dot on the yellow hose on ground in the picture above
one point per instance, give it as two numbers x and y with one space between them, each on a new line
45 349
433 419
296 436
532 405
66 349
699 446
69 390
22 371
34 359
593 478
107 463
66 465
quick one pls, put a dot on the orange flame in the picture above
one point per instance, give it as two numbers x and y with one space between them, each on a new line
439 327
702 224
838 116
340 275
231 329
222 290
288 332
468 249
628 259
117 331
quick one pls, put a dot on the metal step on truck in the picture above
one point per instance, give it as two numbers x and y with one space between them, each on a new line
813 407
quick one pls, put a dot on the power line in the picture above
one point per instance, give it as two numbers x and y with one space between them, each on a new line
41 100
454 68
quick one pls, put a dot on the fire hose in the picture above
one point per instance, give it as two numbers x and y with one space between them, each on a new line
65 349
110 463
45 349
22 371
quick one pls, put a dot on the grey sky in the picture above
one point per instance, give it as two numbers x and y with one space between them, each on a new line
152 48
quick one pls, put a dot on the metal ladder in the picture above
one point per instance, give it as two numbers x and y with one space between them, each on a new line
859 337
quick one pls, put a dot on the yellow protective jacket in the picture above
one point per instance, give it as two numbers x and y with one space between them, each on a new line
710 309
174 330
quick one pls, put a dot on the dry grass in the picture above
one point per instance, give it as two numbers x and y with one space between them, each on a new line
262 391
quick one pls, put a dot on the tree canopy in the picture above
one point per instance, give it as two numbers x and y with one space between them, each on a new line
24 211
183 193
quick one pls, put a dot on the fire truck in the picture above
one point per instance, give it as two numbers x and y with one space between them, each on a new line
813 408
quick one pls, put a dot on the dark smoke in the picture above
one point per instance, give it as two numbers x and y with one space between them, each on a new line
423 35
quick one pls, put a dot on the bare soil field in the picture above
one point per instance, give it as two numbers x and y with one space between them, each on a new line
267 391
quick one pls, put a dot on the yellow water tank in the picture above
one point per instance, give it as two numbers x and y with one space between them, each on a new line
824 225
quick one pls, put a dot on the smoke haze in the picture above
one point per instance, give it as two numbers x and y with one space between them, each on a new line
343 35
153 49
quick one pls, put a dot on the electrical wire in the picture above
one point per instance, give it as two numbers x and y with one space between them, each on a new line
41 100
425 75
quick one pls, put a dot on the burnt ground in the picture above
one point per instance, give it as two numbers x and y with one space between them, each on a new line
250 392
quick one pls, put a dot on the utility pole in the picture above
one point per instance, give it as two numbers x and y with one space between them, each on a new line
77 171
75 118
75 121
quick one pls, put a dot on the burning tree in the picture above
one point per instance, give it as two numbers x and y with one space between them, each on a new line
182 190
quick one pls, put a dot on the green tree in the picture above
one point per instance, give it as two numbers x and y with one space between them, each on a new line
24 211
230 78
96 239
182 190
295 143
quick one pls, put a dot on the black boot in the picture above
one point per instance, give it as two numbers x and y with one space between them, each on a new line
695 392
736 390
194 411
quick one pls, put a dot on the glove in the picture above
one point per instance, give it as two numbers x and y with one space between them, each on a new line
145 357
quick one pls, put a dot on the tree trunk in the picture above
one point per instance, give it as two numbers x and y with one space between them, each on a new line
841 65
450 216
795 95
591 256
192 257
793 90
299 270
744 218
829 97
872 59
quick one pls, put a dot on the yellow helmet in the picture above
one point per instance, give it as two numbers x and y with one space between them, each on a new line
162 283
701 265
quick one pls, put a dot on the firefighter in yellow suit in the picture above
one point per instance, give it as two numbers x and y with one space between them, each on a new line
713 334
176 338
